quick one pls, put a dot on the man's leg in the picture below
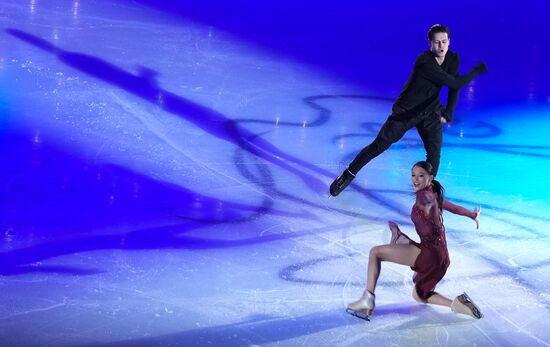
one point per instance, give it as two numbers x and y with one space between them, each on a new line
431 133
392 130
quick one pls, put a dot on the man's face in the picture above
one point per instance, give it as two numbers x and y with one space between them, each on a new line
440 44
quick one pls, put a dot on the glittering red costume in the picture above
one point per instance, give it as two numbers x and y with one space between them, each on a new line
432 262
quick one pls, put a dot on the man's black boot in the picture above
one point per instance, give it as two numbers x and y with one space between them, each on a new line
341 182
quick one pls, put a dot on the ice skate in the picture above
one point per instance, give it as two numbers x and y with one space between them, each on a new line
341 182
362 308
463 304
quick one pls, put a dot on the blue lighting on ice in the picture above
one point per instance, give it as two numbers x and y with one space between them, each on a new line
165 171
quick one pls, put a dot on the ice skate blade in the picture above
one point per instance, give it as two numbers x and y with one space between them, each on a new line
468 302
359 314
464 305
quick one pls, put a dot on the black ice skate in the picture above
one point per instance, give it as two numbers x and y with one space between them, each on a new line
341 182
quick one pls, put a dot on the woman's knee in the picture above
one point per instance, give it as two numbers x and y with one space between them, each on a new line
416 297
375 252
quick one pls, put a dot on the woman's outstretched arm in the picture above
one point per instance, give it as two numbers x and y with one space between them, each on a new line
456 209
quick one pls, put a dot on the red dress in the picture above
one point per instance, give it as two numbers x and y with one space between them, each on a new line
432 262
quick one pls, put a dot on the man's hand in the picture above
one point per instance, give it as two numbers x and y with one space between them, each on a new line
481 68
443 120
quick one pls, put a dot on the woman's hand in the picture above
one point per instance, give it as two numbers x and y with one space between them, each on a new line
477 211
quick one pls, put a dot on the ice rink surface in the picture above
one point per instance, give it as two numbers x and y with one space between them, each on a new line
165 173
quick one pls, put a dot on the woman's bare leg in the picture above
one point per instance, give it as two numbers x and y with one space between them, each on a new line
404 254
396 253
438 299
461 304
435 299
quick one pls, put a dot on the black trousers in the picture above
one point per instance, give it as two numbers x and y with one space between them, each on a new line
429 128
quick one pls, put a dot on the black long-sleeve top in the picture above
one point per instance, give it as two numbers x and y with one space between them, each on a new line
421 92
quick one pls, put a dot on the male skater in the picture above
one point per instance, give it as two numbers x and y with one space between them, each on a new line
418 105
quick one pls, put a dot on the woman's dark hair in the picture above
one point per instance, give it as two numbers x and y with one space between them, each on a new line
437 188
438 28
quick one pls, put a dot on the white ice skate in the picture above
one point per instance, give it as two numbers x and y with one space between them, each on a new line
363 307
463 304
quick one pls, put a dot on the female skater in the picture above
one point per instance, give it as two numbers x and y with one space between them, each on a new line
429 258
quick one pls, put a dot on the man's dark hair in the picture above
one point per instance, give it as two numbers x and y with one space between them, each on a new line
438 28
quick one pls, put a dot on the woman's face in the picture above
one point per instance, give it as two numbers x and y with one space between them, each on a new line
420 178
